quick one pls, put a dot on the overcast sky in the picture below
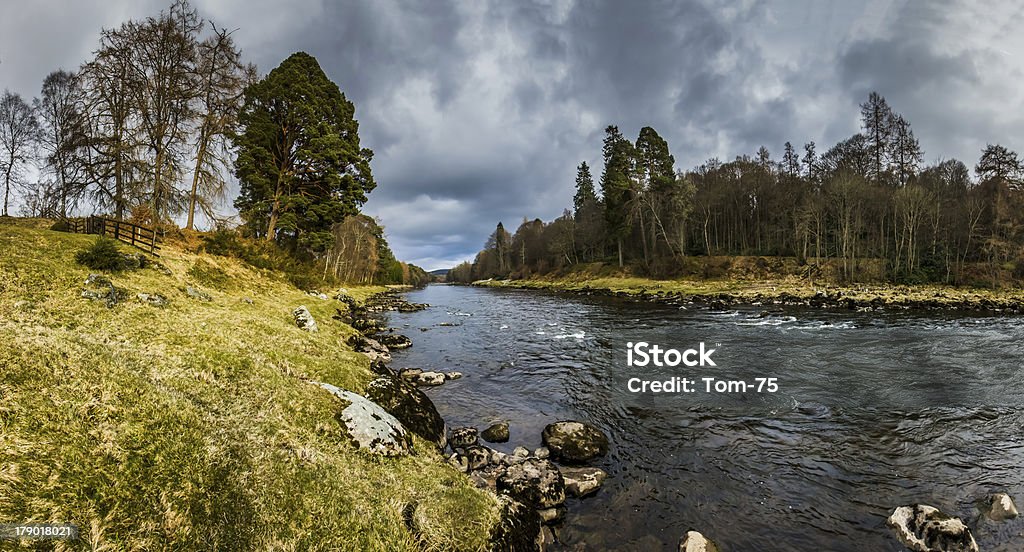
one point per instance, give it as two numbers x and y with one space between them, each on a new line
480 111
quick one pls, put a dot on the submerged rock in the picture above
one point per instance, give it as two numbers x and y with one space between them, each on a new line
694 541
574 442
923 528
496 433
998 507
304 320
410 406
369 426
535 482
580 482
449 376
518 528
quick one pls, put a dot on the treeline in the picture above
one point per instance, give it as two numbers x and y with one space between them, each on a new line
866 201
149 129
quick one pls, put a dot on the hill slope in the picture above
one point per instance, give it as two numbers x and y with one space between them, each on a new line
190 426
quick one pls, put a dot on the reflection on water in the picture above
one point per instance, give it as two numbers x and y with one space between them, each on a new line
874 411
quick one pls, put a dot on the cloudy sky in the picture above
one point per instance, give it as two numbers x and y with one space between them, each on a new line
480 111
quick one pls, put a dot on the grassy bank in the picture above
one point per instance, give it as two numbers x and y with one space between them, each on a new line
189 426
790 289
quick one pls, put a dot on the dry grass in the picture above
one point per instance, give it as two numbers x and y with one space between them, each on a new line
190 426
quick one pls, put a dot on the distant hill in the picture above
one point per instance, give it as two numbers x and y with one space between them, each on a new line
439 272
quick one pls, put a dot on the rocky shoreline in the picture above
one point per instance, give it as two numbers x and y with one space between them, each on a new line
790 294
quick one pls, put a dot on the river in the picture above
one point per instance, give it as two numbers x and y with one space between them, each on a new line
873 411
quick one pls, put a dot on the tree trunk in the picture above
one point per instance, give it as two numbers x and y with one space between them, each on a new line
195 182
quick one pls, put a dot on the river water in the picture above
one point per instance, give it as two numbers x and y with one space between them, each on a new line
873 411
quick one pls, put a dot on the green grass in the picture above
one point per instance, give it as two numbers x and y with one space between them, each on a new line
190 426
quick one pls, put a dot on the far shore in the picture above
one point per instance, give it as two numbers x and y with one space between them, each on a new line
784 292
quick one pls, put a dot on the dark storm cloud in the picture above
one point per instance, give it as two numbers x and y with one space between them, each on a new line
480 111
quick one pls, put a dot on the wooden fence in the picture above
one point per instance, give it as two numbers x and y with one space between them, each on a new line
143 237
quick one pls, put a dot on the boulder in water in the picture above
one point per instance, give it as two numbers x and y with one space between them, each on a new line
574 442
535 482
694 541
580 482
924 528
430 379
496 433
369 426
394 341
369 347
998 507
410 406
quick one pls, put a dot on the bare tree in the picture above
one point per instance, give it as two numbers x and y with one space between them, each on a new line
60 111
221 80
162 64
19 131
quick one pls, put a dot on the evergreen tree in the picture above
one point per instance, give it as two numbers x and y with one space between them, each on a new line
615 185
299 161
584 188
877 120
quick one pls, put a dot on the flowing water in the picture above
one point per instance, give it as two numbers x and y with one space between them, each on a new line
874 410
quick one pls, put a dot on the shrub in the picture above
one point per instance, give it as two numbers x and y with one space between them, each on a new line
61 226
102 255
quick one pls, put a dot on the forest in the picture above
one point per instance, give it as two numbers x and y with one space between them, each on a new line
867 208
152 127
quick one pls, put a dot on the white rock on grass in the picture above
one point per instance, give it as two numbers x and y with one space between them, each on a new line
369 426
304 320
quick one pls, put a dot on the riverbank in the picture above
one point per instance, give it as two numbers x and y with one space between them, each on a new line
175 412
790 291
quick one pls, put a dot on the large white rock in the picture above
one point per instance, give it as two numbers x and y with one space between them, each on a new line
304 320
924 528
369 426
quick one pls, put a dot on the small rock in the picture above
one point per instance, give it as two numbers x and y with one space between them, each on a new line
22 304
552 515
580 482
430 379
574 442
304 320
478 456
496 433
154 299
923 528
535 482
197 294
452 375
542 453
247 301
394 341
411 374
462 437
696 542
369 347
459 462
521 452
998 507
